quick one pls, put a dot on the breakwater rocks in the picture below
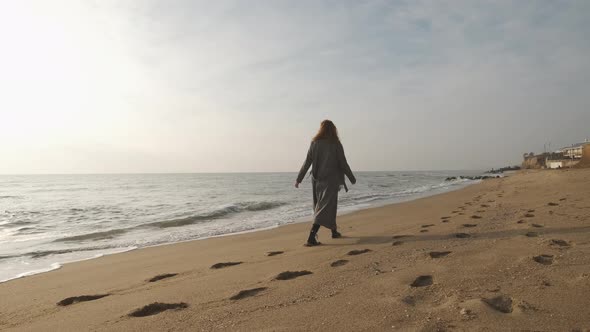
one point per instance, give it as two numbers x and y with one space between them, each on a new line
479 177
504 169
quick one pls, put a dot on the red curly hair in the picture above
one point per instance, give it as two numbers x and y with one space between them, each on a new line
327 131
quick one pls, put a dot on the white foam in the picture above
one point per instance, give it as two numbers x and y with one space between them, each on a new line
52 267
46 266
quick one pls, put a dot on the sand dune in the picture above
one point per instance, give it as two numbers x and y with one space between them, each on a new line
507 254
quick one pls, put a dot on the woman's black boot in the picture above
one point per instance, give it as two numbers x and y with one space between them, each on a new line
335 234
312 239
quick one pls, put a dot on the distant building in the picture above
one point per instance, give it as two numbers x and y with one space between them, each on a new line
532 161
574 151
553 164
562 158
555 160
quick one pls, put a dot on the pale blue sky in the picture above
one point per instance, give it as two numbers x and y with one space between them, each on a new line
214 86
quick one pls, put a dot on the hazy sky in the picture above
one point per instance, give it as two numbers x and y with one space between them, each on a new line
215 86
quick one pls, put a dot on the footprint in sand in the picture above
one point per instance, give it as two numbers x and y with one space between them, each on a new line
288 275
81 298
456 211
247 293
532 234
428 225
424 231
162 276
339 262
520 221
358 252
552 204
469 225
537 225
475 217
480 211
544 259
529 215
461 214
484 205
226 264
422 281
562 199
274 253
462 235
531 211
501 303
397 243
409 300
445 218
560 243
438 254
491 201
156 308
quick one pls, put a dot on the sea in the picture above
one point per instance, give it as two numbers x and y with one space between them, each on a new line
49 220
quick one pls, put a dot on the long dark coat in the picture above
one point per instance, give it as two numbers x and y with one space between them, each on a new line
329 167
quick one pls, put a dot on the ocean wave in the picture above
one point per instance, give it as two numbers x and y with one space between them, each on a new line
93 236
194 219
44 253
20 223
91 209
382 185
371 197
425 188
29 231
261 206
409 191
14 213
11 196
216 214
59 188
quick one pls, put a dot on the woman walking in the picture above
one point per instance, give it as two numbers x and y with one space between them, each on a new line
326 154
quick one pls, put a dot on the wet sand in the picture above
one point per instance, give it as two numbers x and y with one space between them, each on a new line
506 254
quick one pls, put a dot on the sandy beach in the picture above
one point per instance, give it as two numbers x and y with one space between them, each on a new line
505 254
